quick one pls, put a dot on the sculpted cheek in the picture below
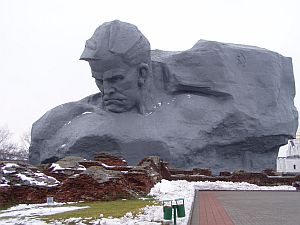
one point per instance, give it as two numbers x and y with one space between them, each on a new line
127 85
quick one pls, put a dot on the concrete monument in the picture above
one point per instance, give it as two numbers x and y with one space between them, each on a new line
217 105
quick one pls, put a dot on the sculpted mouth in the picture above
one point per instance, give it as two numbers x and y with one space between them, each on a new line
113 101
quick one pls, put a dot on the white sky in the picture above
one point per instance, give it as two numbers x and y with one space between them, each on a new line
41 42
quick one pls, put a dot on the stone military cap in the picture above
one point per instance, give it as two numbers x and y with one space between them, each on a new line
117 39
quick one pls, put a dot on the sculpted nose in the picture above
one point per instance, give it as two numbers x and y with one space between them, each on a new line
109 90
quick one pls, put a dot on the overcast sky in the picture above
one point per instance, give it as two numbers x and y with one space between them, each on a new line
41 42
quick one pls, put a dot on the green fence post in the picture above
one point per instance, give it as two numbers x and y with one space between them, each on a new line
167 209
180 207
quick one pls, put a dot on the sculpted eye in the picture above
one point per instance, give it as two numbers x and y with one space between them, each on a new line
119 77
116 78
99 81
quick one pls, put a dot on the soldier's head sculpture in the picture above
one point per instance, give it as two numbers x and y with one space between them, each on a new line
119 57
208 106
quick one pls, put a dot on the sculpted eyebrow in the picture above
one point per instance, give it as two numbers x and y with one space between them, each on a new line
97 75
114 77
117 76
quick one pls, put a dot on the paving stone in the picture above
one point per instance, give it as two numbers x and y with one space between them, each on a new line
247 208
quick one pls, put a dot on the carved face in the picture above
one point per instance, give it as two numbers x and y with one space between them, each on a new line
118 84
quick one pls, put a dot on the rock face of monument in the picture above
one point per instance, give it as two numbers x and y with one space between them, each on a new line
217 105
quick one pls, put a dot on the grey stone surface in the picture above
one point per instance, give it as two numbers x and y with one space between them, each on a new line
217 105
261 207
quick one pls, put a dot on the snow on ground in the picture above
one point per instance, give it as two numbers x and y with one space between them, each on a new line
85 113
56 167
31 180
26 213
40 211
38 179
24 210
222 185
22 221
3 182
9 165
25 176
30 206
9 168
150 215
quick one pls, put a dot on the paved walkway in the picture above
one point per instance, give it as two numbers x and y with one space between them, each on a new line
246 208
211 211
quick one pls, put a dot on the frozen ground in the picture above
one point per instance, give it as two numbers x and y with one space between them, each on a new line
166 190
26 214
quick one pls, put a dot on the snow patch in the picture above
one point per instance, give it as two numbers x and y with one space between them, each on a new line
68 123
8 171
149 113
9 165
30 180
33 181
55 167
107 166
63 145
9 168
81 167
4 182
37 210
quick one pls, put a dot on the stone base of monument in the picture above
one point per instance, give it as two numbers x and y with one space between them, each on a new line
74 178
107 178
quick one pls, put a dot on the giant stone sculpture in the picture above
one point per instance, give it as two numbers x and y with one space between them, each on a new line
217 105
